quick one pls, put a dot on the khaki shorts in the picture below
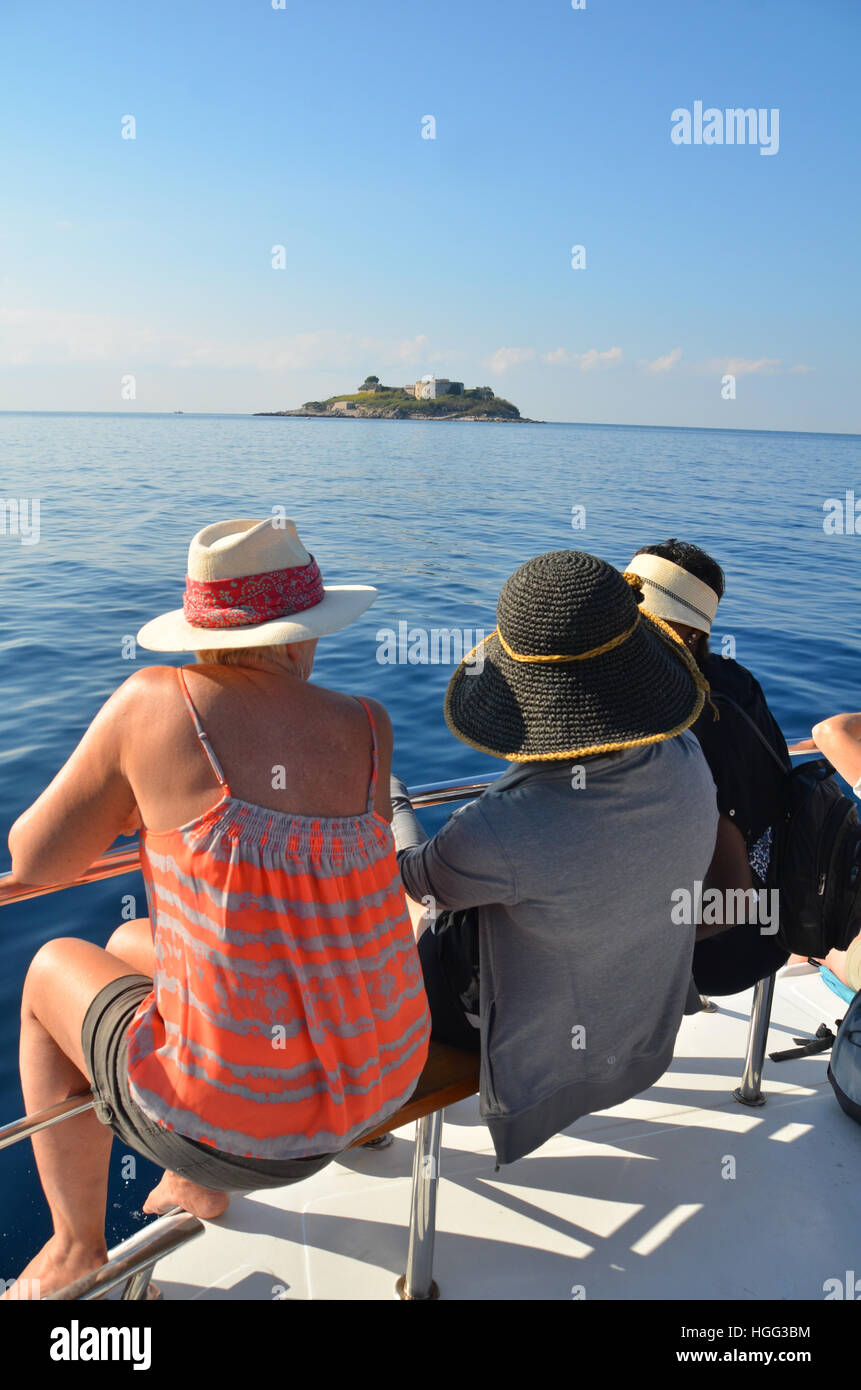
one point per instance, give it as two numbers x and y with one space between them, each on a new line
104 1039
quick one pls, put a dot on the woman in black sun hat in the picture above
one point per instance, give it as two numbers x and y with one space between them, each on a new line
555 954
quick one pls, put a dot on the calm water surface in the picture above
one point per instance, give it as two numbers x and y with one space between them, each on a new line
436 515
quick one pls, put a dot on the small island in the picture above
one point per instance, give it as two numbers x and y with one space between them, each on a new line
432 398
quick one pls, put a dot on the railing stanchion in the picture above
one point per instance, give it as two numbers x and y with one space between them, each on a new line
136 1288
750 1092
417 1282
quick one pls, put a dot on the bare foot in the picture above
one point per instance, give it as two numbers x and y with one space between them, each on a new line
55 1266
174 1191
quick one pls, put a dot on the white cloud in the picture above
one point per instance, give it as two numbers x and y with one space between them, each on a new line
662 364
45 337
753 366
744 366
323 349
506 357
761 366
586 361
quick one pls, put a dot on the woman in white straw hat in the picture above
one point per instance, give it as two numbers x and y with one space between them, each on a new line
270 1010
683 586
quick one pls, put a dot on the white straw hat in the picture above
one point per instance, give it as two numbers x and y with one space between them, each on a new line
253 584
671 593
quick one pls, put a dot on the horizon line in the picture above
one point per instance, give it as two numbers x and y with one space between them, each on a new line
587 424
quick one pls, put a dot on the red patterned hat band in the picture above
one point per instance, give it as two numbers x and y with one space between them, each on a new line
253 599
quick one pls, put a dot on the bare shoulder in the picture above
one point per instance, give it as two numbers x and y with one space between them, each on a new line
146 684
381 718
349 708
141 684
383 726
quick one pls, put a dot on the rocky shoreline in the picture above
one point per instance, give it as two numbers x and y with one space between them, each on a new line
364 413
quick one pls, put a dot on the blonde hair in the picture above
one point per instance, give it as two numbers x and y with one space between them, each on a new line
243 656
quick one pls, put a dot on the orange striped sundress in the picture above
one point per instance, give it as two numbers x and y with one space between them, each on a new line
288 1014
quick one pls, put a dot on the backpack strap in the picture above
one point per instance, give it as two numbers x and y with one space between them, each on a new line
726 699
808 1047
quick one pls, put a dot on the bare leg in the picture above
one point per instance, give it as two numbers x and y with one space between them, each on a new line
72 1157
132 942
419 916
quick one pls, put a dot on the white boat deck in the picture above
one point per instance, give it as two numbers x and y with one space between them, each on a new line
630 1203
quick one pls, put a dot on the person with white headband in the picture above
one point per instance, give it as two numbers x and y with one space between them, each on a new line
683 585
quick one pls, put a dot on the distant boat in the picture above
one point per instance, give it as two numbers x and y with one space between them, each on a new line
179 412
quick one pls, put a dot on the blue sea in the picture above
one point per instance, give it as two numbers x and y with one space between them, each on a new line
436 515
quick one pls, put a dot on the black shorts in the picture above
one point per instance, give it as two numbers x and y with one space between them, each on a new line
104 1037
734 960
449 1023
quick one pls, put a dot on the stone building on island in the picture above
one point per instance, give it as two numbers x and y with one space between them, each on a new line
430 387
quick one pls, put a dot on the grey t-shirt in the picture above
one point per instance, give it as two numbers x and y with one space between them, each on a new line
584 975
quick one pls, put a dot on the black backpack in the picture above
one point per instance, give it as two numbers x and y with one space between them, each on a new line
844 1069
816 857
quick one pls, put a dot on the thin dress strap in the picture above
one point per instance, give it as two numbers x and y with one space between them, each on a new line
372 789
201 732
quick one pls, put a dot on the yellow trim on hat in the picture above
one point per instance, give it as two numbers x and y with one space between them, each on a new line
575 752
581 656
700 682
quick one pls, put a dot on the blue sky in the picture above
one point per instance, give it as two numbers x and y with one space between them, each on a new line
301 127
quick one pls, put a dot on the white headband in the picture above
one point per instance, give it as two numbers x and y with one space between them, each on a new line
673 594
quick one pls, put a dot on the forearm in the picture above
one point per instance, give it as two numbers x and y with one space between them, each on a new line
852 969
846 965
408 836
463 865
728 872
839 738
406 829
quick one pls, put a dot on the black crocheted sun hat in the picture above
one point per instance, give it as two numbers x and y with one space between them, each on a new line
573 668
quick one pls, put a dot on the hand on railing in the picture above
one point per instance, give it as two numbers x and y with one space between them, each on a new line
803 745
12 887
124 859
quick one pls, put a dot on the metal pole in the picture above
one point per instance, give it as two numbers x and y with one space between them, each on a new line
161 1238
52 1115
126 859
417 1283
441 793
136 1288
749 1092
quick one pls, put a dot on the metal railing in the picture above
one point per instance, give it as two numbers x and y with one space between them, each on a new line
51 1115
131 1263
126 858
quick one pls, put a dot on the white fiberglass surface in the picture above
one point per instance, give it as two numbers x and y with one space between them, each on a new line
679 1193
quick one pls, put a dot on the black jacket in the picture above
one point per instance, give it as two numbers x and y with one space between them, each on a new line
750 786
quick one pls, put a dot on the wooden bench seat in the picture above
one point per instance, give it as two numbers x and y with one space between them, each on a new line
449 1075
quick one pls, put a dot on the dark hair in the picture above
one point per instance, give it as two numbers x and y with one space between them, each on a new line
691 558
